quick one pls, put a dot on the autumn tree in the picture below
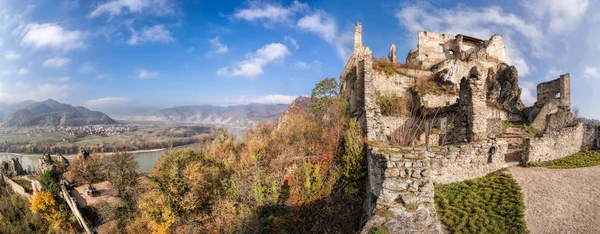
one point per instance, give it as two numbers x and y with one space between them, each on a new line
323 94
87 169
121 170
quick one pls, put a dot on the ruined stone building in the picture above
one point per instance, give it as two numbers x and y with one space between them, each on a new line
452 112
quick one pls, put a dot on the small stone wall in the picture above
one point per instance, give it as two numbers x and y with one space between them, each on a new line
73 206
400 181
16 187
555 144
400 193
591 137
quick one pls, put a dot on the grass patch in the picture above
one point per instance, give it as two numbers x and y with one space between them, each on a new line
530 130
392 104
26 184
490 204
385 66
392 150
384 212
429 86
581 159
379 230
493 103
411 207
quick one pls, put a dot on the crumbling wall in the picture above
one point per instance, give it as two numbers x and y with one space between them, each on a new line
591 136
400 193
555 89
555 144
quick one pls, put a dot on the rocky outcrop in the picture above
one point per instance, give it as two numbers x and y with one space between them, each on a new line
12 168
300 106
510 92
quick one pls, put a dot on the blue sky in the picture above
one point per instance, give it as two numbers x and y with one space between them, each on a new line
119 53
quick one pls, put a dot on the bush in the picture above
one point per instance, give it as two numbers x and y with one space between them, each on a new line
49 182
385 66
393 104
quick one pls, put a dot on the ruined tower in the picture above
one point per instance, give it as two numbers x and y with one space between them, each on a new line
357 36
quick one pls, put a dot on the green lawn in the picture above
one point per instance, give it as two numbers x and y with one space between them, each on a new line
490 204
26 184
581 159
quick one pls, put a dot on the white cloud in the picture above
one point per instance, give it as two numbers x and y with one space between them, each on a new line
308 66
145 74
591 72
217 46
268 13
527 92
21 91
12 56
292 41
324 26
52 35
155 34
118 7
553 73
56 62
267 99
87 67
23 71
562 16
252 66
104 103
64 79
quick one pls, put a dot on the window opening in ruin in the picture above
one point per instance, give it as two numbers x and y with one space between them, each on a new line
441 48
451 51
558 96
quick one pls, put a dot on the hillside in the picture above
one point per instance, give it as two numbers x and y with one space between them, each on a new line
238 116
53 113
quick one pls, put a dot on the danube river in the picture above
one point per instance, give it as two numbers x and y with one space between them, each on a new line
146 159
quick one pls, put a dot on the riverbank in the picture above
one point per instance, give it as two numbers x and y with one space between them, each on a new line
72 156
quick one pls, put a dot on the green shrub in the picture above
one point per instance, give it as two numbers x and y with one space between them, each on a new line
49 182
490 204
379 230
392 104
581 159
385 66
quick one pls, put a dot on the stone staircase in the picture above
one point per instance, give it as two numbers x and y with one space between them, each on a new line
515 137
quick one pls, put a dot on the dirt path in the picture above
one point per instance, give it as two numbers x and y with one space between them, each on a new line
561 200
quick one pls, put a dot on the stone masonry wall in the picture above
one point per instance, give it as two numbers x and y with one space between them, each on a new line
400 193
555 144
400 181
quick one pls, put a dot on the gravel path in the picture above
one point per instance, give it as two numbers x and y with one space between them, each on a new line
560 200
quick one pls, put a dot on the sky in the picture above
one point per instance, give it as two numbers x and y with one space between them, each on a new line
112 54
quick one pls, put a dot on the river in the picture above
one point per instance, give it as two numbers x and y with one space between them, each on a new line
146 159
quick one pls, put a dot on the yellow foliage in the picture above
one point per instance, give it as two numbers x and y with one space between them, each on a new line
43 202
156 212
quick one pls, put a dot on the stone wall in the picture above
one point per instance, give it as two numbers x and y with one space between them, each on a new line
400 181
16 187
400 193
73 206
555 144
591 136
555 89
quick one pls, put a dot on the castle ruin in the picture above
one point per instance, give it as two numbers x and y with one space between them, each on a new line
452 112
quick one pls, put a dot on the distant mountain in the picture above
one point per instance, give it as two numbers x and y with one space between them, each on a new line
6 109
233 116
53 113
